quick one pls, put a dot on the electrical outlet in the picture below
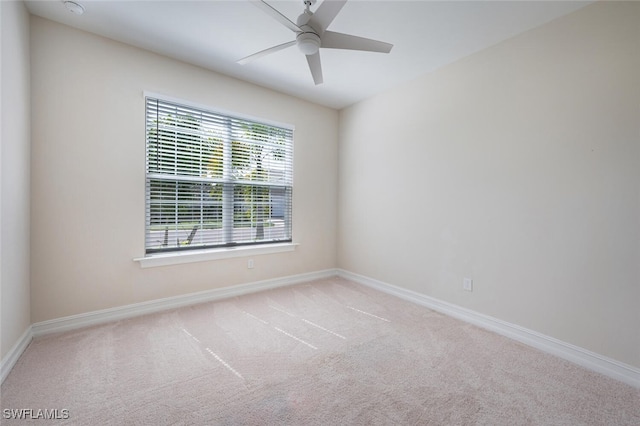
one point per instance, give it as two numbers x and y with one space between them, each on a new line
467 284
250 264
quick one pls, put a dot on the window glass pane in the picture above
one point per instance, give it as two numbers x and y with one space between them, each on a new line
214 180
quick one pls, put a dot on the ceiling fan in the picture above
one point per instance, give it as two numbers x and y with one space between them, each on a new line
311 34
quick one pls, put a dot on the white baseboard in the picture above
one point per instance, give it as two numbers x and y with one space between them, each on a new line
14 353
73 322
129 311
590 360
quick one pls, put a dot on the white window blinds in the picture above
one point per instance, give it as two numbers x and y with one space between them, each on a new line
213 180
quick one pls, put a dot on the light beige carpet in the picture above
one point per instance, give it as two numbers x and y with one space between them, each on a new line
328 352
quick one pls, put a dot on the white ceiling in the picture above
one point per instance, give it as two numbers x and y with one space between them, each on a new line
214 34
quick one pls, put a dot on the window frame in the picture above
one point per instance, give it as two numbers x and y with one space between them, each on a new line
226 248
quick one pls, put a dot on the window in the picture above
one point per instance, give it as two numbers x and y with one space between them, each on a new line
213 180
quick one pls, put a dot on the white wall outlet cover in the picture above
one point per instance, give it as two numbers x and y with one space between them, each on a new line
467 284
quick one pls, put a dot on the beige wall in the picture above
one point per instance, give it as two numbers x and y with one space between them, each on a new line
518 167
88 174
14 195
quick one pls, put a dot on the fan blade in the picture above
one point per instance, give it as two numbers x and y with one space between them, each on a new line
266 52
332 40
271 11
326 13
315 67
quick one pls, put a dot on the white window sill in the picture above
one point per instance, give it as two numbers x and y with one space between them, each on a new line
166 259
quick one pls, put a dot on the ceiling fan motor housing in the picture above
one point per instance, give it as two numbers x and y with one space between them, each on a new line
308 42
